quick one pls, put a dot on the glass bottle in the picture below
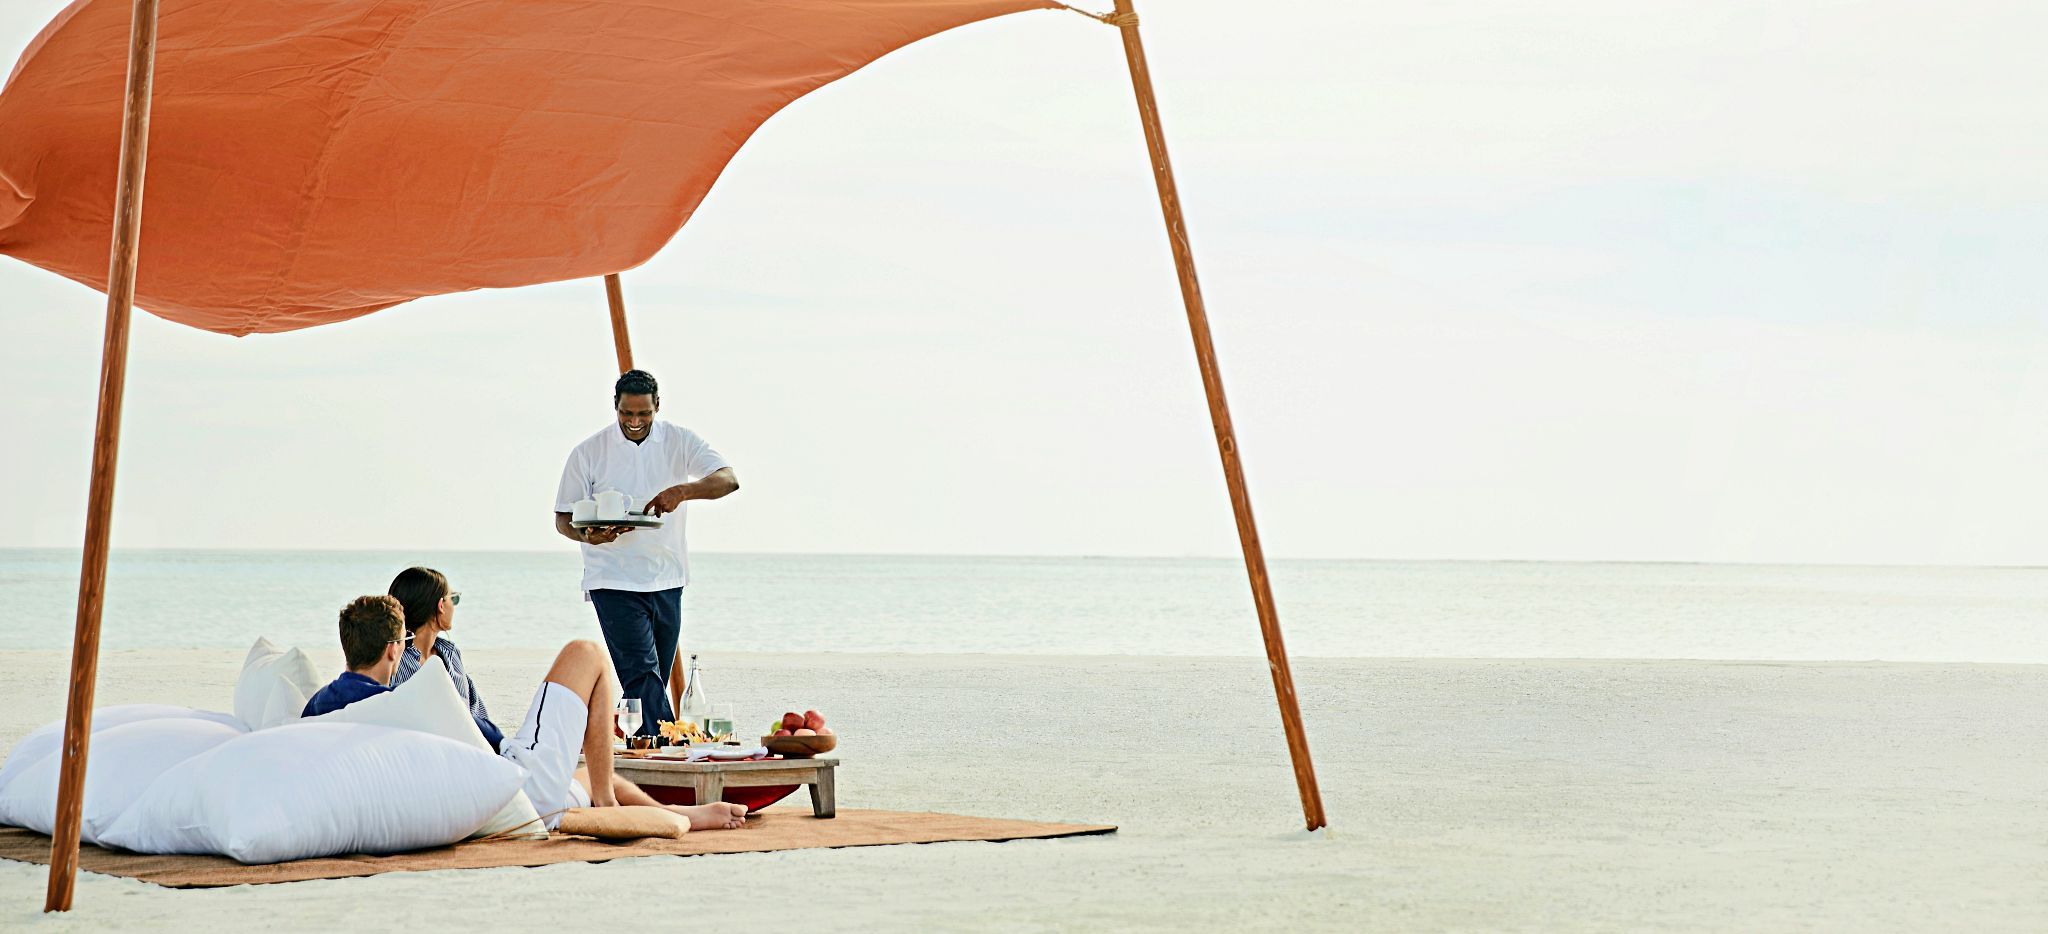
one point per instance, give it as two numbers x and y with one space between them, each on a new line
696 706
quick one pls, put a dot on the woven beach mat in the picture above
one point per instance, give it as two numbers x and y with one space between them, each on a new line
773 829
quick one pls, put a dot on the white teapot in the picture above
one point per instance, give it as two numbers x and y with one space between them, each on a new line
612 504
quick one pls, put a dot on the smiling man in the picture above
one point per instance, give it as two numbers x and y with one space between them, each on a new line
635 577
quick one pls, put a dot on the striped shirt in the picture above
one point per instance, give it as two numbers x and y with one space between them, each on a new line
465 688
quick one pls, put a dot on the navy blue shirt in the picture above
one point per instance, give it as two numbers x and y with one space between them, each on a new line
341 692
352 687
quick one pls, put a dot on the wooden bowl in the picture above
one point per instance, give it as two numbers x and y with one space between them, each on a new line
800 747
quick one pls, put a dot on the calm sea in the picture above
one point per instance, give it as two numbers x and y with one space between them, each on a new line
1124 606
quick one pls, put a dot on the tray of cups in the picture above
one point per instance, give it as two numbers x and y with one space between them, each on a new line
610 509
631 520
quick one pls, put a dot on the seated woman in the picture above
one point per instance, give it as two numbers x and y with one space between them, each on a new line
571 712
429 613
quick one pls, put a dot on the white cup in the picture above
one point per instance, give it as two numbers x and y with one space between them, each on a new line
611 504
584 510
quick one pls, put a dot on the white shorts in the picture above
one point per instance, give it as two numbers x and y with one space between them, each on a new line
546 746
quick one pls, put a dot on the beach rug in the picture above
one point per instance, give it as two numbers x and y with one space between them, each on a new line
774 829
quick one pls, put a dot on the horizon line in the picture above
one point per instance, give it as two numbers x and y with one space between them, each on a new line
1081 557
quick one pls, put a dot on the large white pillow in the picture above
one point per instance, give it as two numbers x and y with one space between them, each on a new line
125 759
310 789
49 737
427 702
274 686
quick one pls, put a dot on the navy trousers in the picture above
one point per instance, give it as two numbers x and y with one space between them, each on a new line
640 631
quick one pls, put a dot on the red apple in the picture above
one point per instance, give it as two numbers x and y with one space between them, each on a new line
813 719
791 721
783 733
824 731
807 731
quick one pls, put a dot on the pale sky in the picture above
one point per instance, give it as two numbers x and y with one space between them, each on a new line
1732 281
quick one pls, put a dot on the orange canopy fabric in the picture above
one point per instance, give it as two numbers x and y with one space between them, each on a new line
311 161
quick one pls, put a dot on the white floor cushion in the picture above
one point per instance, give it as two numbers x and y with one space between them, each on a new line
49 737
123 761
315 788
427 702
274 685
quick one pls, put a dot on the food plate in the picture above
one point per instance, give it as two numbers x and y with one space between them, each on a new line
633 520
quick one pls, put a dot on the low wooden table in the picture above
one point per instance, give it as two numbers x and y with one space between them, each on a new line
709 780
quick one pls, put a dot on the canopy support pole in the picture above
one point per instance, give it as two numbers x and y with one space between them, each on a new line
615 295
106 447
1126 21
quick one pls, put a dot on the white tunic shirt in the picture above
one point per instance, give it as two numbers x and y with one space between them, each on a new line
642 560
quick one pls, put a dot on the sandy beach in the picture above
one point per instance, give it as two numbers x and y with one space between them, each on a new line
1464 795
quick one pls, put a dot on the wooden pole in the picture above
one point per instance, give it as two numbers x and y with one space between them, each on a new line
106 447
615 295
1126 21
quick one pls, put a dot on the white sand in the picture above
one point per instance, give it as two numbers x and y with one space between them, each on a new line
1538 795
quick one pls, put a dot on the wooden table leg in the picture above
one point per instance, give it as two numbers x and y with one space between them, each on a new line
710 787
823 805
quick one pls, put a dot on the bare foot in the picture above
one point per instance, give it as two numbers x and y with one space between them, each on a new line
718 815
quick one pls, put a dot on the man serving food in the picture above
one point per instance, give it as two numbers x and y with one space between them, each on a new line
634 577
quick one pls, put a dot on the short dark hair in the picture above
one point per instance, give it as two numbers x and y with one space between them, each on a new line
368 624
419 591
635 383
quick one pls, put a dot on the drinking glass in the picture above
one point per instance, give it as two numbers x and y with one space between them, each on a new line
629 715
720 727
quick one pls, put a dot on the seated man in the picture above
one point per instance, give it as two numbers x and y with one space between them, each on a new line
571 710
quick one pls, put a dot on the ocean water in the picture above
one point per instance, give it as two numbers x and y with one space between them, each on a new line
1086 606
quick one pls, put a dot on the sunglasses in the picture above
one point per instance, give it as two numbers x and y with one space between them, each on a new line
455 598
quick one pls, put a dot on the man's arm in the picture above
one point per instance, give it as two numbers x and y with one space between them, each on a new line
596 536
714 485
